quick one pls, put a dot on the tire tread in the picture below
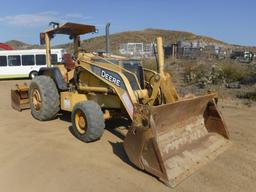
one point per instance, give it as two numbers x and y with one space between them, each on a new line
49 95
94 118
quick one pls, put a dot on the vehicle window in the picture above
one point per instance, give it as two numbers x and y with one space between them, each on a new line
40 60
3 61
14 60
54 59
28 60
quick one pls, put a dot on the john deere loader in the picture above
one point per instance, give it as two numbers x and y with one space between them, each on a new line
169 137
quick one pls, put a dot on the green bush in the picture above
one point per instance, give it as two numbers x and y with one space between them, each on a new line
234 72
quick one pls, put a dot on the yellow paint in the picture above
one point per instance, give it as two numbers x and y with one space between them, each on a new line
70 99
160 52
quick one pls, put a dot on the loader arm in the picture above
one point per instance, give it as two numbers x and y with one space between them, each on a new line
162 86
167 87
161 82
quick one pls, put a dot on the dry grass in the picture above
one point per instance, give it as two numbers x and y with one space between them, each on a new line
233 71
150 63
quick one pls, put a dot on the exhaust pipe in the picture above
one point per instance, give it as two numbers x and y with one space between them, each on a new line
107 39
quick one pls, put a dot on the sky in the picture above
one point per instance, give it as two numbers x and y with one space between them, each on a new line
232 21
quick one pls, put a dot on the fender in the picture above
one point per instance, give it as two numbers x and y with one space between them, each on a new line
56 75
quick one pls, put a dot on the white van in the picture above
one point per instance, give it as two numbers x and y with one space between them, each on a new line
26 63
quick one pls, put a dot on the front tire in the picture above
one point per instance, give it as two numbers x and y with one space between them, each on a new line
44 98
87 121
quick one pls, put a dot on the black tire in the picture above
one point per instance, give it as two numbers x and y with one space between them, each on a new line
49 96
33 74
95 123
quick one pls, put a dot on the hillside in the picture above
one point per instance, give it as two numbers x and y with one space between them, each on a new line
144 36
15 44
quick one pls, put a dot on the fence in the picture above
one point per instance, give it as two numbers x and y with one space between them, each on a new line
137 50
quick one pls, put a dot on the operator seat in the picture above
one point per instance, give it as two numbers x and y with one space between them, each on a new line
69 63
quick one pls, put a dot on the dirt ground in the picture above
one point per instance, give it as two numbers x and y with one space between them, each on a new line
45 156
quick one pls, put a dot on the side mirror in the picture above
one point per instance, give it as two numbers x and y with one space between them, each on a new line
42 38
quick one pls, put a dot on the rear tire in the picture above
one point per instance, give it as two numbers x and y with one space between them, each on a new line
87 121
44 98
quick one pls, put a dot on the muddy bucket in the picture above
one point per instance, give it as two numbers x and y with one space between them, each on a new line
20 98
172 141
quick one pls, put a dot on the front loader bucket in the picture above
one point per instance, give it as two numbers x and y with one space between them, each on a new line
172 141
20 98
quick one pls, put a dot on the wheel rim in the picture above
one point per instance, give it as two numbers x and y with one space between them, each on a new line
36 99
80 121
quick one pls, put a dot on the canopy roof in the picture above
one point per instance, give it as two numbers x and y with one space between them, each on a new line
72 29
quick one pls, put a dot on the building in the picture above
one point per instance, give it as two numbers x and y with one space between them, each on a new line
137 50
195 49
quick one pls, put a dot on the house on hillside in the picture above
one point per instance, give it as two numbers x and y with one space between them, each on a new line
187 49
195 49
